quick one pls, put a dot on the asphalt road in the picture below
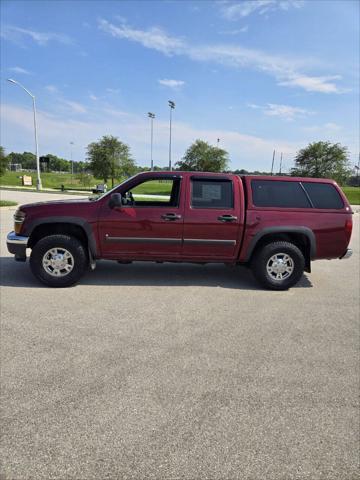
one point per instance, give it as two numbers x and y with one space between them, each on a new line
150 371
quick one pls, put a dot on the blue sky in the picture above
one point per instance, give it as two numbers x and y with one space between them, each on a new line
258 75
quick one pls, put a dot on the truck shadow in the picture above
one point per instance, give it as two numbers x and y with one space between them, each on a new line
15 274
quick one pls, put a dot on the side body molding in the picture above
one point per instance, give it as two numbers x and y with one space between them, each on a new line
80 222
285 229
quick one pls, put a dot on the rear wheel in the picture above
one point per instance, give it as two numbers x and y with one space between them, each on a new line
278 265
58 260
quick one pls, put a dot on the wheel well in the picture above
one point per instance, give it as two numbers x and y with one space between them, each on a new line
298 239
46 229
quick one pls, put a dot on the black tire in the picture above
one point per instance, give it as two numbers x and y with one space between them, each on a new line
78 262
262 257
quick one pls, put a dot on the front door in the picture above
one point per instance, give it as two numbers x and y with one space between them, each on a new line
148 225
213 221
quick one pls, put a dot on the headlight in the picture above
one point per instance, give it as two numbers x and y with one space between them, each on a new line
19 218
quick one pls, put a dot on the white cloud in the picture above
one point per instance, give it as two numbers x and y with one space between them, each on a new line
285 70
175 84
20 70
253 105
116 113
113 90
154 38
93 97
286 112
327 128
238 10
314 84
75 106
235 31
21 35
333 126
52 89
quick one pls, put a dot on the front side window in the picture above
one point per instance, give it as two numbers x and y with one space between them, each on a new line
206 193
282 194
154 193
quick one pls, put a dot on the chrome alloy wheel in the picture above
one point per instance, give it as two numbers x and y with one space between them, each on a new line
58 262
280 266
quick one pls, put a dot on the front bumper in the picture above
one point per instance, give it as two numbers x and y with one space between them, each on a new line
347 254
17 244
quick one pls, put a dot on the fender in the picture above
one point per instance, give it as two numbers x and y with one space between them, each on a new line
66 219
285 229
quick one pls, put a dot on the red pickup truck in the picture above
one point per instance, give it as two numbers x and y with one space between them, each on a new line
275 225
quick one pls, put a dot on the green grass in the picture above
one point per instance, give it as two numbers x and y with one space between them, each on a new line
7 203
49 180
154 187
55 180
352 194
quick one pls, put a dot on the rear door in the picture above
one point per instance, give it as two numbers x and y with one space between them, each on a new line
213 221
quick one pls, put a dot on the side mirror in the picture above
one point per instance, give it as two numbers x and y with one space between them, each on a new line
115 200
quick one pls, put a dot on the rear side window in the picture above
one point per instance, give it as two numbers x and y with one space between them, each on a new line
268 193
211 194
323 195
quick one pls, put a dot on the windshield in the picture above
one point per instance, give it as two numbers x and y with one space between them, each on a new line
96 196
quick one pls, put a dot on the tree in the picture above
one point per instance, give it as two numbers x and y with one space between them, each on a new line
4 161
323 160
26 159
57 164
203 157
109 158
80 167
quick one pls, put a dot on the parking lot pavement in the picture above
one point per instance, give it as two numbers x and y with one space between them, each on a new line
179 371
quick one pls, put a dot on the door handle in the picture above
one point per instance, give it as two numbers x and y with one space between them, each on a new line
170 217
227 218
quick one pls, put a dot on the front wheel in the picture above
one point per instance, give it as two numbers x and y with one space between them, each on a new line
58 260
278 265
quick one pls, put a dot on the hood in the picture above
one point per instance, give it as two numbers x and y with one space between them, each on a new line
64 203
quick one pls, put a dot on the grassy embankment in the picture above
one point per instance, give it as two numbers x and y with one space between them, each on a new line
55 180
7 203
49 180
353 194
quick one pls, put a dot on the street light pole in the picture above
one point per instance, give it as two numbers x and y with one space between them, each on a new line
172 107
38 181
272 165
151 116
72 162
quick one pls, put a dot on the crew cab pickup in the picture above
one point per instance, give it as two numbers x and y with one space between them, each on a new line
275 225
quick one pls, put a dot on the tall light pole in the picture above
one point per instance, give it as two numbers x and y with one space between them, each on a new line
272 165
71 160
172 107
151 116
38 181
